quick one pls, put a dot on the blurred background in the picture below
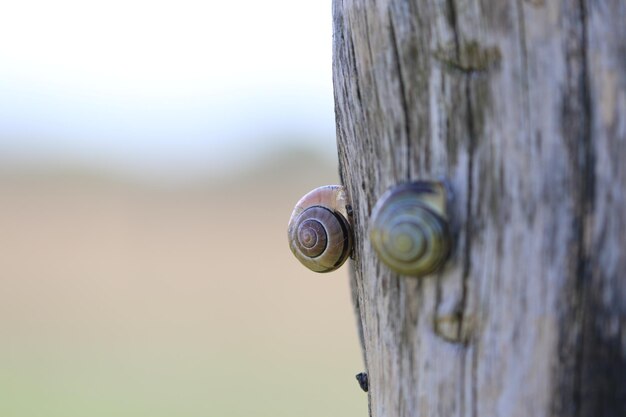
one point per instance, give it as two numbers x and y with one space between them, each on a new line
151 153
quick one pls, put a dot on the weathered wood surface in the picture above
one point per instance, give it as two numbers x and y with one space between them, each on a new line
522 106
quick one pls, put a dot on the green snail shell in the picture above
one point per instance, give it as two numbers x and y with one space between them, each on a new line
409 229
320 235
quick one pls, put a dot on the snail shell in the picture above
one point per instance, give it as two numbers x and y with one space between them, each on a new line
409 228
320 235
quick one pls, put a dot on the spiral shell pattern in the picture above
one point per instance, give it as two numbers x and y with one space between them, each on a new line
407 231
319 234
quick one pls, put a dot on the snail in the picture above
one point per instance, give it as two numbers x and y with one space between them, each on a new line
363 381
409 228
319 232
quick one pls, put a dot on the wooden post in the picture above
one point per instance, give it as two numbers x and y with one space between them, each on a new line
521 105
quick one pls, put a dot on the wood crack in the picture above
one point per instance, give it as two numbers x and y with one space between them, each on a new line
357 81
587 184
403 92
468 208
524 64
468 229
573 392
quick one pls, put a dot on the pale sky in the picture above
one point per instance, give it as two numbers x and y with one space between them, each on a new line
170 86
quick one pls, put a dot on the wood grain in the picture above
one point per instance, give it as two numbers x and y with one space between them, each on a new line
521 105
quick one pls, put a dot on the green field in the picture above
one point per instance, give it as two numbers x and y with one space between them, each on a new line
120 299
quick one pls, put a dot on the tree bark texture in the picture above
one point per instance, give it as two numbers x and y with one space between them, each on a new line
521 106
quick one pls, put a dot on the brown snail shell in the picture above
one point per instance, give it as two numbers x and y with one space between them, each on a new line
409 228
319 232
